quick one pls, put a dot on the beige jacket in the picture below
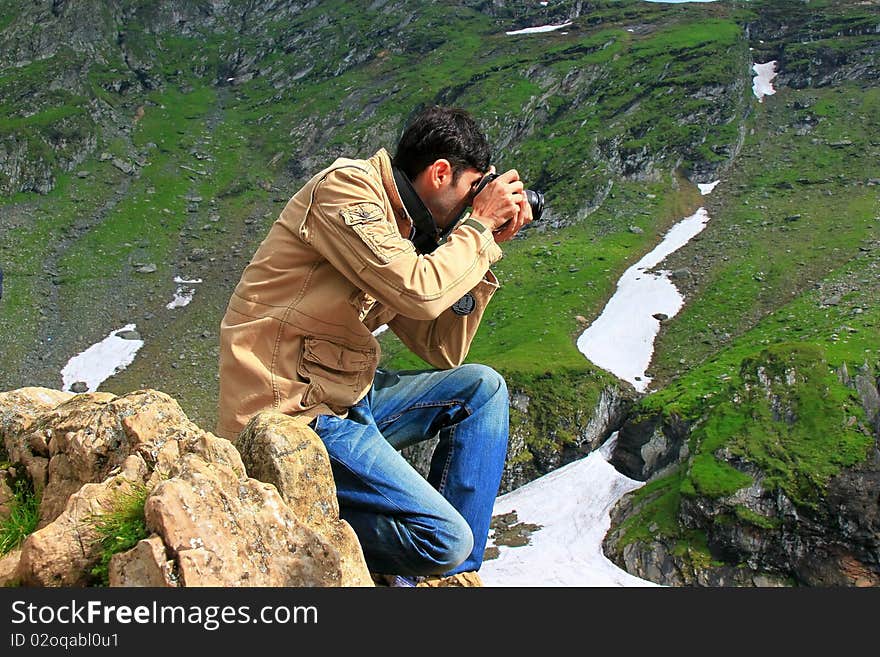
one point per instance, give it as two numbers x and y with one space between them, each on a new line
297 333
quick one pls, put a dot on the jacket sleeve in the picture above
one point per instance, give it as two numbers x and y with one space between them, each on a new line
444 342
348 225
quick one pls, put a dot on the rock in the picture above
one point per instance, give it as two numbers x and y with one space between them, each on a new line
128 335
146 564
6 496
636 230
123 166
242 535
18 411
146 269
869 393
92 434
83 174
680 274
284 452
79 386
210 523
647 447
197 254
63 552
660 317
9 567
520 402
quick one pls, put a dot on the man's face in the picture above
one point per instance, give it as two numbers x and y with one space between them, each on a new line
444 194
459 196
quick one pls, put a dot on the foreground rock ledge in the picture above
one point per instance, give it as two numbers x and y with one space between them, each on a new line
210 523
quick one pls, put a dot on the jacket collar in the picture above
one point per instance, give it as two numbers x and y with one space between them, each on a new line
382 161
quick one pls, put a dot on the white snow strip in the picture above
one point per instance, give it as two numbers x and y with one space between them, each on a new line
621 340
380 330
182 297
706 188
537 30
572 505
101 361
179 279
761 83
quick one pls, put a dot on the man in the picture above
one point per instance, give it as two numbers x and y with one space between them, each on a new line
340 262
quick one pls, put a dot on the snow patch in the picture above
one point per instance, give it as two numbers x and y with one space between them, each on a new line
706 188
621 340
101 361
572 507
183 295
764 74
538 30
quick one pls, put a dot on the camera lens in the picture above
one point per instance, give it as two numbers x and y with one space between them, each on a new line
536 200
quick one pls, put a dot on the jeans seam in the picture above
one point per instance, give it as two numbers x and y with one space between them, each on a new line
441 486
397 416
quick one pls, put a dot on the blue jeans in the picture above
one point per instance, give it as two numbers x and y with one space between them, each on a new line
407 525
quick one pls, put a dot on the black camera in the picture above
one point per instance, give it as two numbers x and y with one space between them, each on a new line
535 199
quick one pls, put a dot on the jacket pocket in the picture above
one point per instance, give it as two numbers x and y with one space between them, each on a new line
376 231
336 373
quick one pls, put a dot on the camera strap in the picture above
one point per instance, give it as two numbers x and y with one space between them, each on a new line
427 237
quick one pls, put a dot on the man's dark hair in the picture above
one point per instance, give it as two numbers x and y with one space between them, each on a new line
442 133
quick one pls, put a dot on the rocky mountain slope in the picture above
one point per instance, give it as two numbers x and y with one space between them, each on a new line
139 142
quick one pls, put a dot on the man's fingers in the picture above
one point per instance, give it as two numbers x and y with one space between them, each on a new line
525 211
508 230
521 216
510 175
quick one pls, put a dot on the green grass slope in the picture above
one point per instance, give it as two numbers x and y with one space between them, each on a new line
175 138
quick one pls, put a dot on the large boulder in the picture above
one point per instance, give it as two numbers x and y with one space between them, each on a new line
282 451
207 522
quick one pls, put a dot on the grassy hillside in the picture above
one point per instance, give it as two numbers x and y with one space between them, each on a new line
174 139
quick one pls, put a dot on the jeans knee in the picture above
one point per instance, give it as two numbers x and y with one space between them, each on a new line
486 378
447 545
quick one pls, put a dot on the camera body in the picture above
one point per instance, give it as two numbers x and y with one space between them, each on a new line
535 199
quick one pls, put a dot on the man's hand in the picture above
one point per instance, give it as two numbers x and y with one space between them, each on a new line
502 206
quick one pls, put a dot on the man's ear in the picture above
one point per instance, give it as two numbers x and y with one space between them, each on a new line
440 172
